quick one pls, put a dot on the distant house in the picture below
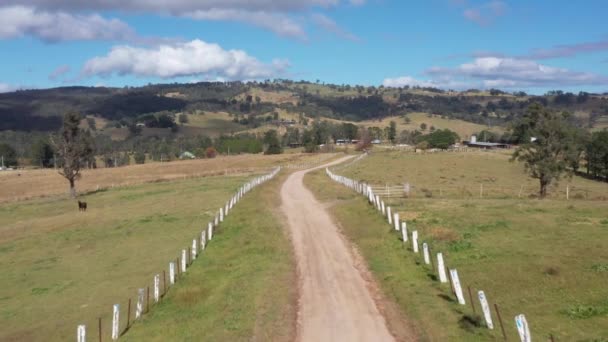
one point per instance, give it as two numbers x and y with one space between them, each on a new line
485 145
187 155
376 141
140 124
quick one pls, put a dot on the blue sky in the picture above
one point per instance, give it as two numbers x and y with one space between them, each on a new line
457 44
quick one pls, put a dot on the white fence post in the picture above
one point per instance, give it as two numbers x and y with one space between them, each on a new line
210 232
396 221
457 287
183 261
425 251
193 251
139 306
389 215
485 307
522 328
156 288
441 268
171 273
81 333
404 231
115 321
415 241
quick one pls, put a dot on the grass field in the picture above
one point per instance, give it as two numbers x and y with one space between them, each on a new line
463 128
462 175
26 184
546 259
61 267
243 288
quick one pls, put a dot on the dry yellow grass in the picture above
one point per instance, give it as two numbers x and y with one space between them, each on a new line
463 128
26 184
267 96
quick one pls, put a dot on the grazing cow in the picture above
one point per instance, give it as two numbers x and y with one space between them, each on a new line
82 206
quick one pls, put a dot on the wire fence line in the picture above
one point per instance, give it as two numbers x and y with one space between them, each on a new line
489 191
122 320
438 263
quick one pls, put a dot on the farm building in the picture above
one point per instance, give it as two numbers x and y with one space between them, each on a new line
485 145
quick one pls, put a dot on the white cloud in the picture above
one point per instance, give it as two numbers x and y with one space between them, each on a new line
275 16
513 72
181 6
6 88
192 58
440 82
331 26
59 72
278 23
406 81
17 21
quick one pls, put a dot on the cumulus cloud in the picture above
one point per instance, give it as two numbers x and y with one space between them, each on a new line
19 21
486 14
329 25
181 6
192 58
275 16
512 72
278 23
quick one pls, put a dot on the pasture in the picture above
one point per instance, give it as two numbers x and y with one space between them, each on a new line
464 129
546 259
27 184
62 267
244 286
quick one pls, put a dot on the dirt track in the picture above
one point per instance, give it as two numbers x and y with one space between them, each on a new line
335 303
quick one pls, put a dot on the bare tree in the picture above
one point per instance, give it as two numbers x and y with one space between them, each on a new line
73 149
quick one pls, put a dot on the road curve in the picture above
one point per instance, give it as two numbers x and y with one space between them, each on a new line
334 302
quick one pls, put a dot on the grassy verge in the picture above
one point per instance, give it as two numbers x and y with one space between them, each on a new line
61 268
241 289
546 259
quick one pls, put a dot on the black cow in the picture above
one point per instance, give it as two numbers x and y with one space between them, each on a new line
82 206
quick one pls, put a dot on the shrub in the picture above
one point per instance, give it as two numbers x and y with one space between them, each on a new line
210 152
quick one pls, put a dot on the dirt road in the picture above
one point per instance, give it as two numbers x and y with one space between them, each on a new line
335 303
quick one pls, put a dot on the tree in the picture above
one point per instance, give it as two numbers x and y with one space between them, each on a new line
596 154
547 154
272 142
183 119
442 138
8 155
42 153
72 148
365 140
423 126
392 132
140 157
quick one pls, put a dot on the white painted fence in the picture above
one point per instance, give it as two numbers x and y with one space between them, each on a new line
205 238
375 196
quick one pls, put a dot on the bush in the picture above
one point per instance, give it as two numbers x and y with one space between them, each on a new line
210 152
140 157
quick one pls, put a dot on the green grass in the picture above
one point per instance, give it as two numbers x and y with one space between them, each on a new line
61 268
461 175
545 259
241 289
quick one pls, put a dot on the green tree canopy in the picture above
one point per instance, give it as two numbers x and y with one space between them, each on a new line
548 153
